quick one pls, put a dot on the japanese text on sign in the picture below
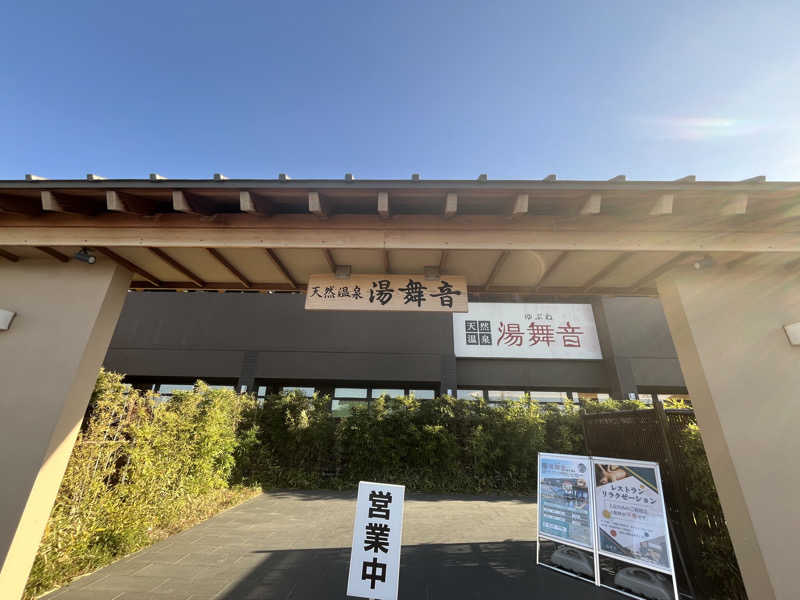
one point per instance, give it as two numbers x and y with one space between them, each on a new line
387 292
377 536
527 331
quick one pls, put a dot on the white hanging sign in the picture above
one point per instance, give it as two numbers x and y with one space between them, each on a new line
377 537
513 330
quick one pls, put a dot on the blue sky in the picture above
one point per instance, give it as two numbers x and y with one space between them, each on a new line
383 89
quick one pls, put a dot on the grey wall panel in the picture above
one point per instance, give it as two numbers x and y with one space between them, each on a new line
208 335
657 372
348 366
542 374
273 322
638 327
161 362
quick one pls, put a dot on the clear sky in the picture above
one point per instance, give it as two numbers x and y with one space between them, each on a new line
586 90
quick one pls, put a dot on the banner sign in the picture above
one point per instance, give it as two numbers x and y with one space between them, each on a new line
565 505
512 330
630 513
387 292
377 537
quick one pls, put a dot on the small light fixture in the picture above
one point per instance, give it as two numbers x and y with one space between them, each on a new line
343 271
704 263
793 333
84 255
6 316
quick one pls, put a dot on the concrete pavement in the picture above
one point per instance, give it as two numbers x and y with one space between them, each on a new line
296 545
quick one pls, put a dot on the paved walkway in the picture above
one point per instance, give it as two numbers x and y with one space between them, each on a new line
296 546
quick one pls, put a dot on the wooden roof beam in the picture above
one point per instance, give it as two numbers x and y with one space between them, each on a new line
741 259
518 207
442 260
19 205
383 205
387 264
607 270
450 206
125 203
186 203
280 266
498 264
177 266
329 258
8 255
318 206
735 206
664 205
553 266
215 286
60 256
593 205
661 269
124 262
786 213
227 264
52 202
255 204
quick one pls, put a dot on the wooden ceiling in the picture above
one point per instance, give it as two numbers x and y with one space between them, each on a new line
510 238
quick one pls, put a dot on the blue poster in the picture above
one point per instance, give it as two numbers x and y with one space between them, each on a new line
565 510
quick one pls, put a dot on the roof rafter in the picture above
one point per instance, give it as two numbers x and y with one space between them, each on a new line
553 266
281 267
661 269
177 266
127 203
20 205
60 256
124 262
329 258
228 265
8 255
607 270
498 264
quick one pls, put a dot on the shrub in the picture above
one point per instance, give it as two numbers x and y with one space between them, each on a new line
139 468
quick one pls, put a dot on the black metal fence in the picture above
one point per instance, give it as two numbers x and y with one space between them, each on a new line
658 435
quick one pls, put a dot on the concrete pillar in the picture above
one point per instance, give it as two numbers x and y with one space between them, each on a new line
49 361
744 380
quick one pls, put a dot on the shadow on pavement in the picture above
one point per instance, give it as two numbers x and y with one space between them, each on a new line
416 496
504 570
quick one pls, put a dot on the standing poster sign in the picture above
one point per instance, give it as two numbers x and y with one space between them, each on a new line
566 532
631 525
565 505
377 537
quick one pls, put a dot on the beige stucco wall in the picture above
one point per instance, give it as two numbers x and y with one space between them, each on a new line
744 379
49 359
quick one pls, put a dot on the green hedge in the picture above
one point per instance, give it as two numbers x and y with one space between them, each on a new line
139 470
443 445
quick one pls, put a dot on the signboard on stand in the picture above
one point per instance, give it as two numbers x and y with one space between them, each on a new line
513 330
604 519
565 503
377 537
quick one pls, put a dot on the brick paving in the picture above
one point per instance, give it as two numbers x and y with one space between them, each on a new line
295 545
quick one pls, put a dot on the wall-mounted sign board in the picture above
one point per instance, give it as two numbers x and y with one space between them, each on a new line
511 330
377 537
413 293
